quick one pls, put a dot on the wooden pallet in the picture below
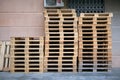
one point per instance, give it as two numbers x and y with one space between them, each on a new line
27 57
52 15
94 22
60 65
60 70
60 23
61 36
60 29
67 10
51 11
94 19
95 70
57 12
105 26
61 19
4 54
7 57
96 15
0 44
68 15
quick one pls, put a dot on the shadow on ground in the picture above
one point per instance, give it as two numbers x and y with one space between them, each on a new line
114 75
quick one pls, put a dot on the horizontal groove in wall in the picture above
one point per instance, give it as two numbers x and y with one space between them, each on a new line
20 13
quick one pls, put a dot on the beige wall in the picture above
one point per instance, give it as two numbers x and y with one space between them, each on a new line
21 18
31 6
114 7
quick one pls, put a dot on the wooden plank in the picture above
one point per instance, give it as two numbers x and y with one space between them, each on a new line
46 11
67 10
7 55
0 46
2 53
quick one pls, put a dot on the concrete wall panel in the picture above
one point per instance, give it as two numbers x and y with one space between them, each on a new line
114 7
116 61
21 6
116 48
116 33
22 19
7 32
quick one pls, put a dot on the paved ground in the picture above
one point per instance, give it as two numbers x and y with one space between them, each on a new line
115 75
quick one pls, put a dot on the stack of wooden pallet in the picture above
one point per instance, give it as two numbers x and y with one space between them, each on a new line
94 42
60 40
4 55
26 54
63 51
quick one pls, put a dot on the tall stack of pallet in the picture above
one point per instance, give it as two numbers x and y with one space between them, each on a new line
94 42
60 40
26 54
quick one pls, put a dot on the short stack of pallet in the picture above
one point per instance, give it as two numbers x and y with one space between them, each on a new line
60 40
4 55
94 42
26 54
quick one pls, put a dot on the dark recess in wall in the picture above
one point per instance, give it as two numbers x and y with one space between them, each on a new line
86 6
